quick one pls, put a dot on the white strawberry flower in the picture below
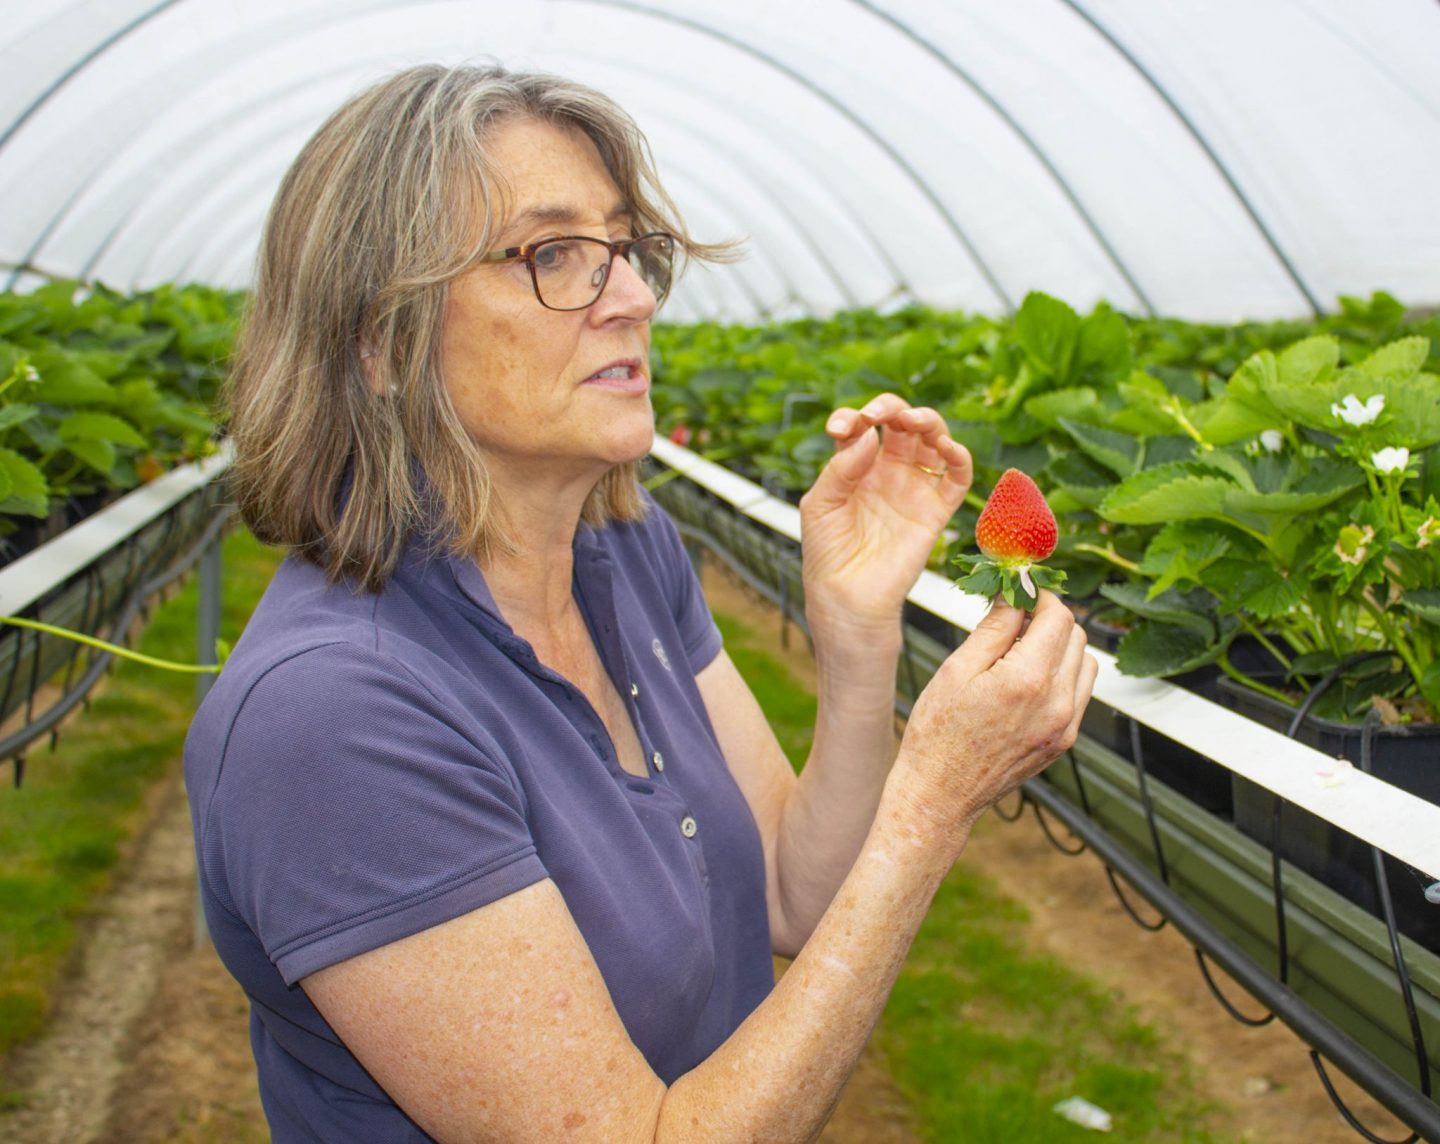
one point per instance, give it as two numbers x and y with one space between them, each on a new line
1272 440
1391 460
1352 412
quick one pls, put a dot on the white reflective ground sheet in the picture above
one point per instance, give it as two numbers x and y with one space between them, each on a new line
1207 159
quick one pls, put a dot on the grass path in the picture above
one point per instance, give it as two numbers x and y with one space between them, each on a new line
981 1037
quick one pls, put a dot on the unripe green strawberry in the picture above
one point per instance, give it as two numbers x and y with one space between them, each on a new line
1016 526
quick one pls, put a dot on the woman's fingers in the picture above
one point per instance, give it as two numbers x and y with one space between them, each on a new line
911 435
846 423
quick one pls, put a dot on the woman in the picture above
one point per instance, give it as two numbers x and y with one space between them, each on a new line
490 829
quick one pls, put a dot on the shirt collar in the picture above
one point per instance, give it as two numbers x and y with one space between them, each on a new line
591 560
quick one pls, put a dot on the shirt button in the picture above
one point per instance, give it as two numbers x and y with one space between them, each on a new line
659 760
688 826
635 690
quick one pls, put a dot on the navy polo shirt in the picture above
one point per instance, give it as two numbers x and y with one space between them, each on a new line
370 765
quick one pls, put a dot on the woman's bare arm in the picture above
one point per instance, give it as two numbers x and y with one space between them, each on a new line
498 1026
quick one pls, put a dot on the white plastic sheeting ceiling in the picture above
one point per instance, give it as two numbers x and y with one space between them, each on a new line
1210 159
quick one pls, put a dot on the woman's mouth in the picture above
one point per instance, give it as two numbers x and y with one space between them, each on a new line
624 376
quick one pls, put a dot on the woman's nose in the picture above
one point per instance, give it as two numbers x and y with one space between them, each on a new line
625 293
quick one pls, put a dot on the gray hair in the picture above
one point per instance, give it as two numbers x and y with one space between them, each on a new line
390 200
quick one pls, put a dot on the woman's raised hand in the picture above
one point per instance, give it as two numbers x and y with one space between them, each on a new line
999 710
873 516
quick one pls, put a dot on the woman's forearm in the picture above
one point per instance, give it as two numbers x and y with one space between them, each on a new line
777 1078
829 812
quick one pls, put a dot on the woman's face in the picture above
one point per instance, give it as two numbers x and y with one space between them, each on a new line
552 397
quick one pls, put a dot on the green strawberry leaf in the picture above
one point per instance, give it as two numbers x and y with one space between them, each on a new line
1180 553
1423 602
1267 594
1192 611
1226 420
1049 332
1105 354
1313 664
1156 649
15 414
1429 684
1397 361
1074 403
65 381
1118 452
28 493
1325 482
91 426
1309 361
99 455
1182 491
1235 467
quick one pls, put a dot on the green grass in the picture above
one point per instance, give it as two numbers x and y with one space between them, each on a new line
982 1036
63 831
788 705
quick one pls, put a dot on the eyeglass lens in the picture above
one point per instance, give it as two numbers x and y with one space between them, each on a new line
570 273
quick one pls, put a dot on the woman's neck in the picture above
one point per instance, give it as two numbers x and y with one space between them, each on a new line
532 584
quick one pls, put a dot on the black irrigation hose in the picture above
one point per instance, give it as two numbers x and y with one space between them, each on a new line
1277 884
1411 1106
1068 851
1152 927
1225 1003
1387 905
1005 816
1109 873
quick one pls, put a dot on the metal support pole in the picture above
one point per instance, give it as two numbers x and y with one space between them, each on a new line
208 621
207 626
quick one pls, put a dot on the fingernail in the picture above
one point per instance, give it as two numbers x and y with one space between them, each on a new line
871 408
835 423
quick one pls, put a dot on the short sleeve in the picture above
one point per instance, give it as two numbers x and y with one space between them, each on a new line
350 811
698 633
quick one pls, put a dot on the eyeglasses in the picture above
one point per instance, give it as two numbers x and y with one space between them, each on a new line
570 272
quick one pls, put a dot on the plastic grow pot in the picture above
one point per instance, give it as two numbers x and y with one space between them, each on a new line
1406 756
1186 772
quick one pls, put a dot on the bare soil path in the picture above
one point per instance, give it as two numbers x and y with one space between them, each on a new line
150 1038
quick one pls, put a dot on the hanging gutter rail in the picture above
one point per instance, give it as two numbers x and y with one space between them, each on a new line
1385 816
1326 967
96 578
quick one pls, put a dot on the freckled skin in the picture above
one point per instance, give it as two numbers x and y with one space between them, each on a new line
516 371
497 1025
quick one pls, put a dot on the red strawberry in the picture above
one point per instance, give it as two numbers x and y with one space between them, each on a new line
1016 527
680 435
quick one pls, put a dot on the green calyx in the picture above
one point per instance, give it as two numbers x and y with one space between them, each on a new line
985 576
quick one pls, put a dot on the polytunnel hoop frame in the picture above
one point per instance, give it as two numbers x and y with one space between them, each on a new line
839 105
1200 138
829 98
993 102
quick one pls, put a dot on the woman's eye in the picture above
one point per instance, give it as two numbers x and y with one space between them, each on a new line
553 255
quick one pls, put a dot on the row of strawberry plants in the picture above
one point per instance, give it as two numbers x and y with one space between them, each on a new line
1269 486
101 391
1274 481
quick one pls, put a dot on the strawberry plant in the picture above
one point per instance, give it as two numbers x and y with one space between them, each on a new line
100 391
1306 516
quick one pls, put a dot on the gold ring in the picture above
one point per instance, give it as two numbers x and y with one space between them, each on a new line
926 469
